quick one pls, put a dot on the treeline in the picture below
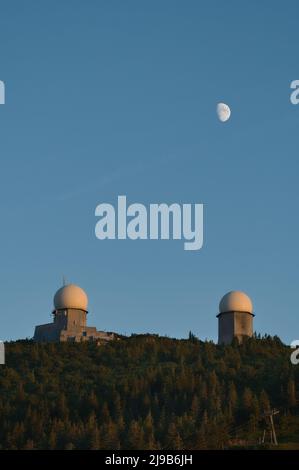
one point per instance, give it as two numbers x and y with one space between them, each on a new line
146 392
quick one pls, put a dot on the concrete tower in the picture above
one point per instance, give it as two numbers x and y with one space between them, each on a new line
70 312
235 318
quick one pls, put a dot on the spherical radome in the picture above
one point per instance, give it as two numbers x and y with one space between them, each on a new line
70 296
235 301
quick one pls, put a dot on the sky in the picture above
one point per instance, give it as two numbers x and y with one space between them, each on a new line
119 98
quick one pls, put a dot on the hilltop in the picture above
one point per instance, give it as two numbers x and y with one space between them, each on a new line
147 392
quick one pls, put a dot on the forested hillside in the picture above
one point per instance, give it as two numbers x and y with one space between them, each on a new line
147 392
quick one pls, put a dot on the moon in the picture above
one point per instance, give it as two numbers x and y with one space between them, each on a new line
223 112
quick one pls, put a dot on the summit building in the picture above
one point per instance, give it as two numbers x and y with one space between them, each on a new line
70 319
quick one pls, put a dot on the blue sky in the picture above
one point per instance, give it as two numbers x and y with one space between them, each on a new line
110 98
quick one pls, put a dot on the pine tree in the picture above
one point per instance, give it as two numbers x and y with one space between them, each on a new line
135 437
93 402
232 396
291 393
94 439
173 439
195 406
52 440
247 399
105 413
264 402
110 436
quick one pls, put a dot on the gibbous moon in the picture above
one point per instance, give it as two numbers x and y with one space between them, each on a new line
223 112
